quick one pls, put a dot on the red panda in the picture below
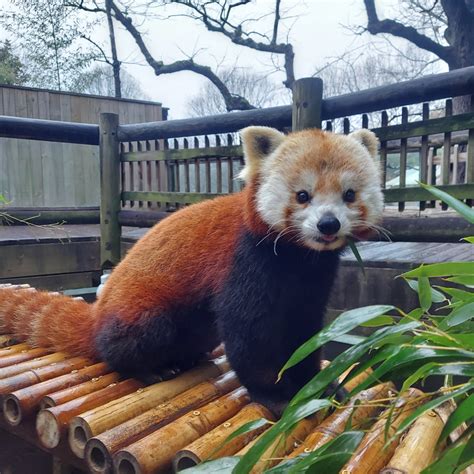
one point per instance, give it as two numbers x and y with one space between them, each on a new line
253 269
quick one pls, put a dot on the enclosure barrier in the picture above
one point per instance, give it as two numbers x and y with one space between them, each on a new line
160 166
92 417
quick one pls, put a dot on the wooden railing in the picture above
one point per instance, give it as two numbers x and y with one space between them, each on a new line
160 166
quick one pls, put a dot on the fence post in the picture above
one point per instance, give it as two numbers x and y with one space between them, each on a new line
110 231
307 103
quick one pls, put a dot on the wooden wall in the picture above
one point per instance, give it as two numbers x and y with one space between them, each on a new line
34 173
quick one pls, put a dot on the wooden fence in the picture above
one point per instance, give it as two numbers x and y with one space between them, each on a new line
164 165
49 174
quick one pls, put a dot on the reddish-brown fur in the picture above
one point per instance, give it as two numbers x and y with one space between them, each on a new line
182 259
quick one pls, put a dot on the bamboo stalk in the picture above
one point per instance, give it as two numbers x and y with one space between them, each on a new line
284 445
8 351
212 446
85 388
40 374
7 340
22 403
360 410
99 449
31 364
22 356
52 423
357 380
98 420
372 455
417 449
155 452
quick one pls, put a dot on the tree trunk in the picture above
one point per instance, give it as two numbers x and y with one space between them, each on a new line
113 47
459 34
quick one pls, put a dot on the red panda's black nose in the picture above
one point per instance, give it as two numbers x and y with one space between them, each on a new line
329 224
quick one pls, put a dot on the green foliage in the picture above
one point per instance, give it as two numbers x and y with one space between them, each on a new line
50 37
12 70
436 339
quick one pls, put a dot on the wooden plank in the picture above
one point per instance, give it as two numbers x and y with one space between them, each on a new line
403 159
110 191
183 154
424 152
460 191
446 162
181 198
307 103
48 259
60 282
383 150
426 127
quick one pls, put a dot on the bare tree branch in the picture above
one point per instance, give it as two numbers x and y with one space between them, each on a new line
233 102
376 26
220 23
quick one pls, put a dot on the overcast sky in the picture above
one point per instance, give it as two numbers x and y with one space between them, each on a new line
318 33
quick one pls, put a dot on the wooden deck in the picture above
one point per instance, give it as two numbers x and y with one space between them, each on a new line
68 257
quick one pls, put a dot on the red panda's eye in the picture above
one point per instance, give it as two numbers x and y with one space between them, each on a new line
302 196
349 195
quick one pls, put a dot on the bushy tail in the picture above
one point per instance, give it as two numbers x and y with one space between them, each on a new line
45 319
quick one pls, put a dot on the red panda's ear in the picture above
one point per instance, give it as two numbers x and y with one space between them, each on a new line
258 143
368 139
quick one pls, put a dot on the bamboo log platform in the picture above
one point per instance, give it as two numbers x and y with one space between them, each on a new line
97 420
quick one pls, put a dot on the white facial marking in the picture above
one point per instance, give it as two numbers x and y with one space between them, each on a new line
276 196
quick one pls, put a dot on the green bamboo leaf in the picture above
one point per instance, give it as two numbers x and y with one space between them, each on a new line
459 315
220 466
436 296
467 455
430 405
329 458
448 461
463 413
316 386
356 253
378 321
344 323
469 239
290 417
441 269
466 280
451 201
424 293
349 339
458 294
408 358
465 369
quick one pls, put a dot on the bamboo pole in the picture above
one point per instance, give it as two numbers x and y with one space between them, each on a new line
22 403
155 452
31 364
7 351
357 380
361 408
417 449
99 449
372 454
212 445
284 445
98 420
52 423
22 356
40 374
67 394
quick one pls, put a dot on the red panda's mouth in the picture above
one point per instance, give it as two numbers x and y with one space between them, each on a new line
326 239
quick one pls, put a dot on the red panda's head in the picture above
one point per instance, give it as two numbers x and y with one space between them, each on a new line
316 188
